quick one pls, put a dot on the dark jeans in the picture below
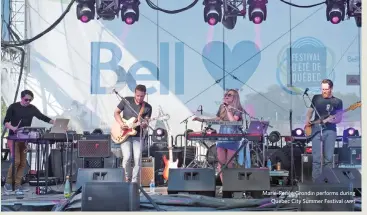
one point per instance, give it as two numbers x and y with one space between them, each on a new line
329 138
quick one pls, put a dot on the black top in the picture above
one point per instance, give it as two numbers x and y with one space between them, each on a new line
128 113
326 107
17 112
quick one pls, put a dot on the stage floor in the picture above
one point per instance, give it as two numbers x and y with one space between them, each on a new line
32 202
173 202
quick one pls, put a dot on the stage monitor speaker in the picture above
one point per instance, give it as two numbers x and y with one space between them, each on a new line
241 180
325 197
99 175
110 196
192 180
60 167
341 176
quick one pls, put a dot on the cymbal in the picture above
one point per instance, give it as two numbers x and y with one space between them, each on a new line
204 114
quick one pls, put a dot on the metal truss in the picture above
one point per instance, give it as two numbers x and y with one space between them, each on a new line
234 8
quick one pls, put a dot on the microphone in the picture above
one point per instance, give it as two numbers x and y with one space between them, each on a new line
306 90
114 91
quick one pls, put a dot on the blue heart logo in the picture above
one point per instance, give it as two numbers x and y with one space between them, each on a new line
242 52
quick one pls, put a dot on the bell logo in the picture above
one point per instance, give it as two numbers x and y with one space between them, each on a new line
96 146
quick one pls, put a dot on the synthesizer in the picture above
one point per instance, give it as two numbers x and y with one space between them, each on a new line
223 137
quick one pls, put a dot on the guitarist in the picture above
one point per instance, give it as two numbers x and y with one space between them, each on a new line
327 106
133 144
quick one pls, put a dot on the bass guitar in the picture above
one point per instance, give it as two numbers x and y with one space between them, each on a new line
119 135
168 163
308 128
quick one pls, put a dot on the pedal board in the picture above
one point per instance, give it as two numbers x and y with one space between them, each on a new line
52 181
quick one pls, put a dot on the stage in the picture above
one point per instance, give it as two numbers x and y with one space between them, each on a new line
178 202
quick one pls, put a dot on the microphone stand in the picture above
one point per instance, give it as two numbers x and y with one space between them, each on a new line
321 128
292 153
185 121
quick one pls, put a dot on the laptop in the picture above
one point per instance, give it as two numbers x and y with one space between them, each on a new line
258 127
60 126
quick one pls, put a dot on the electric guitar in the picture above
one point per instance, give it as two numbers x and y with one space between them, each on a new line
168 163
308 128
119 136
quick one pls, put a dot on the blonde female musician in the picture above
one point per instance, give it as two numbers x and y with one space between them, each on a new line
229 110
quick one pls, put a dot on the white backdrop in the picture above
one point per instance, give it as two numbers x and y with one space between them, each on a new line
74 68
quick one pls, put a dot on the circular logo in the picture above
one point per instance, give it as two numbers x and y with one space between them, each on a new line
311 62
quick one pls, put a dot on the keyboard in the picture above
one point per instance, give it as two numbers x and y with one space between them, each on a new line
223 137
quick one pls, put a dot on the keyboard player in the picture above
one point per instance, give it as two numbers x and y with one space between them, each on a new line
20 114
226 149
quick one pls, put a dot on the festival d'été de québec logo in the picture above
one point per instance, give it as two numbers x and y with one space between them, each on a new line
311 61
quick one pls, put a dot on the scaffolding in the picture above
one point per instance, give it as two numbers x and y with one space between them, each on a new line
14 60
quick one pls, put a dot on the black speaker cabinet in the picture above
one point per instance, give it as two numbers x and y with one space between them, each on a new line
192 180
61 163
342 176
240 179
110 196
306 166
325 197
99 175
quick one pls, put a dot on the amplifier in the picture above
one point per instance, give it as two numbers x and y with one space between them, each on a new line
94 148
354 142
355 155
147 171
306 166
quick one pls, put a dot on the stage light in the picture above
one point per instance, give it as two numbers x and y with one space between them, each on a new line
97 131
159 135
298 132
350 132
257 10
85 10
212 11
130 11
274 137
335 11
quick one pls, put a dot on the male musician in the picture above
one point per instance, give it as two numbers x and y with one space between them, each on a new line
330 109
228 111
133 143
20 114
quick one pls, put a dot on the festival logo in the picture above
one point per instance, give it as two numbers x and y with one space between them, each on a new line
304 66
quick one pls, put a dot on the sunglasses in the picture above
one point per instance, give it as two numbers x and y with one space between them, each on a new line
27 100
228 95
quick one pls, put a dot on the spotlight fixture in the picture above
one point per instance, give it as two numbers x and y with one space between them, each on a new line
335 11
274 137
299 137
212 11
159 135
257 10
85 10
350 132
298 132
130 11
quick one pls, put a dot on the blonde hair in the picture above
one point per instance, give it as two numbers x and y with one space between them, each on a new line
236 104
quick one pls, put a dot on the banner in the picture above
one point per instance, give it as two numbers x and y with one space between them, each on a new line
184 62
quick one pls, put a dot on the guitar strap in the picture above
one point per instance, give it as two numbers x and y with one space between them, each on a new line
141 111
